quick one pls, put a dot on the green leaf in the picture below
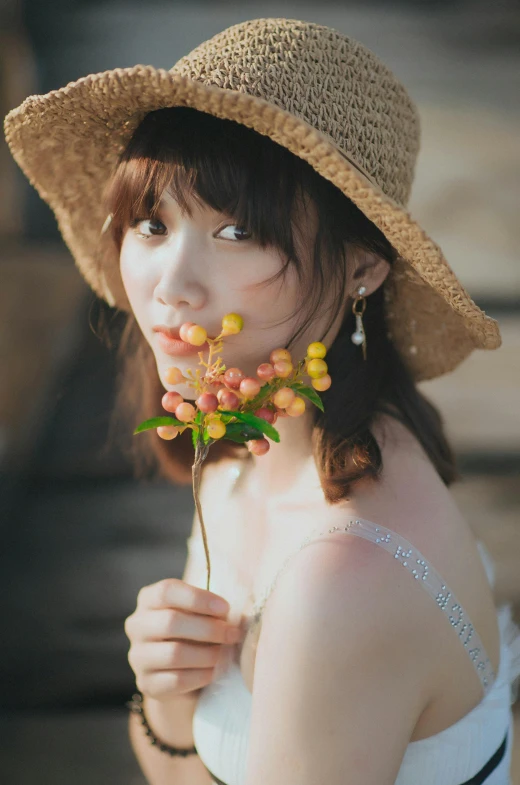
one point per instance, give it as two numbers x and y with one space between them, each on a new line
308 392
258 423
242 432
155 422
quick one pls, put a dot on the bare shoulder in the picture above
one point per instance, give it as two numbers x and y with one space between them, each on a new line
349 595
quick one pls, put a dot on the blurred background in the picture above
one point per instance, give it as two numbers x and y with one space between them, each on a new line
79 536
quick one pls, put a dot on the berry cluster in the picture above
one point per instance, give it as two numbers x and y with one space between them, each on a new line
244 408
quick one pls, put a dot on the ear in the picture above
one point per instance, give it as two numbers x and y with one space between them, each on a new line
370 270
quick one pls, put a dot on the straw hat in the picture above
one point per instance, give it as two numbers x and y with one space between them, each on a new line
323 96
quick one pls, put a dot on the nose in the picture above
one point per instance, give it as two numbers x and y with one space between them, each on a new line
181 280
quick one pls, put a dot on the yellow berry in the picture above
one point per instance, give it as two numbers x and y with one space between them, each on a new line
317 368
216 429
296 408
196 335
232 323
323 383
316 350
167 431
173 375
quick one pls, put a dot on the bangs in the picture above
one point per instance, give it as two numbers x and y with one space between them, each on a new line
260 185
210 161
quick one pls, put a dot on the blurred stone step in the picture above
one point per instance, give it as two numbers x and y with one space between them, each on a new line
479 400
42 307
491 505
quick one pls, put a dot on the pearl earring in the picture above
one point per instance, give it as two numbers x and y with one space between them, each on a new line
359 337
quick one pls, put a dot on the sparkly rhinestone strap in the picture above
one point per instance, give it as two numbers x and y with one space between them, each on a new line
414 561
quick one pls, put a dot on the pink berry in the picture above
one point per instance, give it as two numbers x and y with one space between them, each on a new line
183 330
265 372
249 387
283 368
171 400
185 412
233 377
228 399
207 402
258 446
266 414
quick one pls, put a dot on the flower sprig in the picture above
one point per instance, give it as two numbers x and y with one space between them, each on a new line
244 408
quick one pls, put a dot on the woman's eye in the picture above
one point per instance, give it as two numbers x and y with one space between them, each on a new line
152 227
235 232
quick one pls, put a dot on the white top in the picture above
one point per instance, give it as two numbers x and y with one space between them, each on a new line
476 749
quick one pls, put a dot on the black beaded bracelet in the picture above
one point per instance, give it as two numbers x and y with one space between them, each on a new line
136 705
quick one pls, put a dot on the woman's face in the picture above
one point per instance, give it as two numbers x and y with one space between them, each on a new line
178 268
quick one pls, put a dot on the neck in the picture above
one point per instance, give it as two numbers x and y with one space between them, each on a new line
283 467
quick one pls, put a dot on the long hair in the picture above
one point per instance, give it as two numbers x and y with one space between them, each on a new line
260 185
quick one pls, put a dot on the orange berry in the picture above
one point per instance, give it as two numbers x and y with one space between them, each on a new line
183 331
196 335
283 397
323 383
296 408
280 354
173 375
185 412
283 368
317 368
167 431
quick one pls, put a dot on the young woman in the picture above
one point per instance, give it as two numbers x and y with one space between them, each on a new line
267 174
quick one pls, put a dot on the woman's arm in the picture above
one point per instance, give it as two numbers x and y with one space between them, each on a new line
172 723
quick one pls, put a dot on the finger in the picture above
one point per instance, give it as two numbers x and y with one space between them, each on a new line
170 655
162 683
168 623
176 593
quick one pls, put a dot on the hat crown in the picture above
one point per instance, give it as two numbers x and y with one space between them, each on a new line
324 77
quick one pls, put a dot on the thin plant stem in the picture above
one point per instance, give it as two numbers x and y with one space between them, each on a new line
201 451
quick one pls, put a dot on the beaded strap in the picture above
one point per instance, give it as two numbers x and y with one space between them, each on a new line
429 578
402 550
136 706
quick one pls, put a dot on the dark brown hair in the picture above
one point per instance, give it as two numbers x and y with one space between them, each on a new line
260 185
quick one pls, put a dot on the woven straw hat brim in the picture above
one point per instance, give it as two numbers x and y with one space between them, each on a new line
67 143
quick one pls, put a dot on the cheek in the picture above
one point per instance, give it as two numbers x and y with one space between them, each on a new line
137 276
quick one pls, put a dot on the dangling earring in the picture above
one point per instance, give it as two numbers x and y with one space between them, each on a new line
359 337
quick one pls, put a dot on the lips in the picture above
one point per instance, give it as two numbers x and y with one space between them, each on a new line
171 332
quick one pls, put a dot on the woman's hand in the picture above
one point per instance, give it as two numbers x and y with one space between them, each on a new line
176 638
